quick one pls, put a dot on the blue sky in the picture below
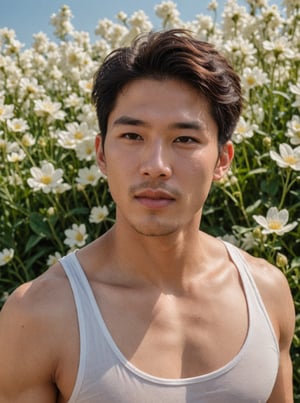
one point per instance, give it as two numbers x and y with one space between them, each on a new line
27 17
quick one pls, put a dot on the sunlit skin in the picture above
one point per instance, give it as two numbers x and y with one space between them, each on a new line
166 143
160 283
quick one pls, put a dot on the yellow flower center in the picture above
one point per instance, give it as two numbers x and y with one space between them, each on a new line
79 237
73 58
30 89
241 129
91 178
1 111
78 135
46 179
251 80
275 225
290 159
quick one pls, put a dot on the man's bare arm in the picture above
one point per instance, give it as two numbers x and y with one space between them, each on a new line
283 389
278 300
26 349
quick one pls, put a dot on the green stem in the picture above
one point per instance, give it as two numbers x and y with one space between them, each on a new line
286 188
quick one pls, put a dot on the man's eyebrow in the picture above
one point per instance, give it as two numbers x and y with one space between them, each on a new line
185 125
128 120
190 125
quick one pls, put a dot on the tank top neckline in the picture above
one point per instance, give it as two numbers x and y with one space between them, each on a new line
239 265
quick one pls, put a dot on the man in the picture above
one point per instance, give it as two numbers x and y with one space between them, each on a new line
155 310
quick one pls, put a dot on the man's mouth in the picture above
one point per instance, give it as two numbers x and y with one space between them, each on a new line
154 198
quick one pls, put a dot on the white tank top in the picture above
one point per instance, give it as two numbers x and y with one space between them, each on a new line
105 376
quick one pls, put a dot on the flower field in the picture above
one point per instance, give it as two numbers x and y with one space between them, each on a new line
53 198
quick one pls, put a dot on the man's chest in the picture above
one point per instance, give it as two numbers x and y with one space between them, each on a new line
177 336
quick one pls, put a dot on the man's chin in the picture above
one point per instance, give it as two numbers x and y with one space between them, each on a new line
154 230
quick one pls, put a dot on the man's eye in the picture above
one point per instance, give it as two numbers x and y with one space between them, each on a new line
185 140
132 136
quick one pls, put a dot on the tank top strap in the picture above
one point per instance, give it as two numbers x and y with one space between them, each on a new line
252 293
86 310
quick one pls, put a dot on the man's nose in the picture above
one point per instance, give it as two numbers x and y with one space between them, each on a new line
155 161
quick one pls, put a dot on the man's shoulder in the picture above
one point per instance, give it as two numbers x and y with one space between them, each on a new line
37 301
276 294
265 274
33 329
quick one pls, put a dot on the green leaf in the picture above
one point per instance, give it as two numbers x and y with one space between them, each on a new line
282 94
253 206
42 252
32 241
39 225
77 211
257 171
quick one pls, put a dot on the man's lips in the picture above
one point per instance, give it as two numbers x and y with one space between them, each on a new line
154 194
154 198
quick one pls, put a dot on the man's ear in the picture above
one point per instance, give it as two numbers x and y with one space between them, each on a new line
100 157
225 158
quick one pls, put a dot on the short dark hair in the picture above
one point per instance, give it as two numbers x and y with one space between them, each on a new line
171 54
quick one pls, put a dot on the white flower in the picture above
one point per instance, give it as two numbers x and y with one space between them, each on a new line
248 241
230 239
271 16
295 89
294 130
55 74
74 135
204 23
86 150
104 27
280 47
241 48
76 236
61 188
275 221
14 152
88 116
17 125
28 140
244 130
15 180
86 86
50 110
46 178
288 158
62 22
40 43
52 259
73 101
213 5
98 214
30 87
254 77
140 21
89 176
6 111
6 256
167 10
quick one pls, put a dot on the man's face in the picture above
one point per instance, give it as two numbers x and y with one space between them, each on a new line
161 155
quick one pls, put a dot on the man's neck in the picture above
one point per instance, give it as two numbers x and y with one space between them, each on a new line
166 261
